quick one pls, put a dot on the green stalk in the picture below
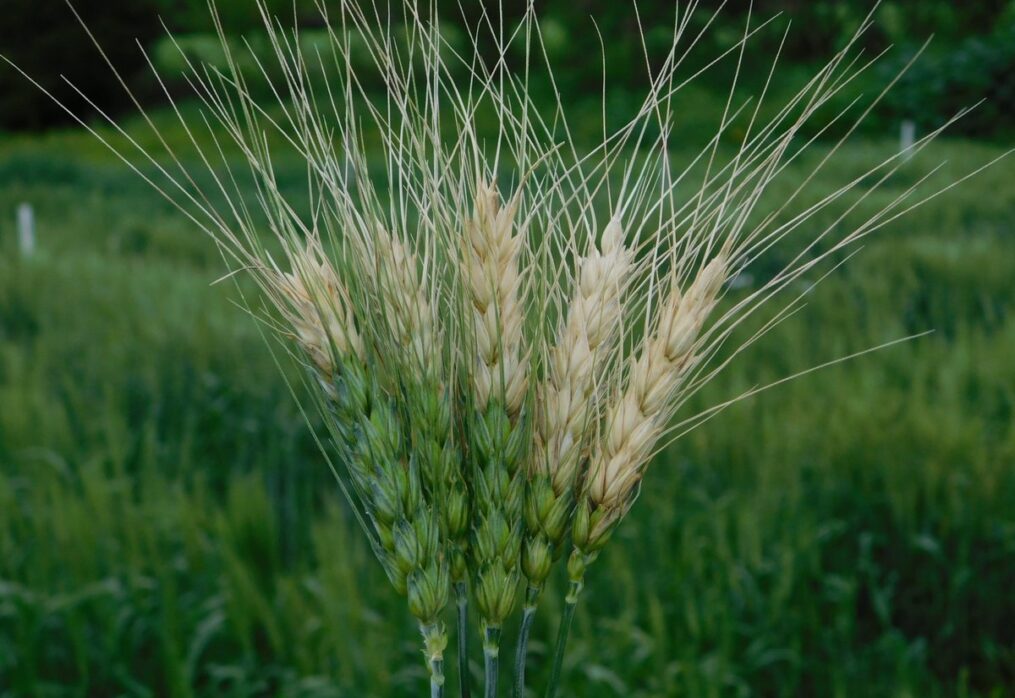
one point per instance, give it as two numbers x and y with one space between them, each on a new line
434 640
462 598
565 628
437 678
528 614
491 654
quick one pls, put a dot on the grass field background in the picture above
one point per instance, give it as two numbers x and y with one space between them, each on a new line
168 528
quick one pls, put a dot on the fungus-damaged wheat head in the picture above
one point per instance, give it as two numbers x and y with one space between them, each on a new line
501 322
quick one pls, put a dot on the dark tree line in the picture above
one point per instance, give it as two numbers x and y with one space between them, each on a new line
972 57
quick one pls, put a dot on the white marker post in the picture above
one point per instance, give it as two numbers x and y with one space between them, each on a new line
907 137
26 230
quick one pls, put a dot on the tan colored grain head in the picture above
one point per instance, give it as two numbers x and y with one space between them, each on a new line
567 398
404 296
640 413
493 246
316 304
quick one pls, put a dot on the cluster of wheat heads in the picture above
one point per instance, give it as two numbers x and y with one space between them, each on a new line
500 324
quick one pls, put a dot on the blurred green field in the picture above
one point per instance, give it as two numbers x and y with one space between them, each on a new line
167 526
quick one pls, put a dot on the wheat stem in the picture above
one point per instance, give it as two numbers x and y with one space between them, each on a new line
528 614
434 641
491 655
437 679
570 602
462 599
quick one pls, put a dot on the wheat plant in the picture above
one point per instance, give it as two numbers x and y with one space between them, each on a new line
500 324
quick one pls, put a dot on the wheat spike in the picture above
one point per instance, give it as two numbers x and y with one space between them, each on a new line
491 270
567 397
316 304
405 298
635 421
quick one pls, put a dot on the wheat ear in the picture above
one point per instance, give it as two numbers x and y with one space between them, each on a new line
635 421
639 415
491 261
316 304
405 299
567 395
410 539
413 345
567 402
633 424
408 306
491 270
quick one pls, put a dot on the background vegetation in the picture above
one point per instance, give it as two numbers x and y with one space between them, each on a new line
167 529
971 58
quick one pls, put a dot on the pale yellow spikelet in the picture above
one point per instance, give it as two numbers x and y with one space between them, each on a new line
567 398
316 304
493 281
404 296
639 415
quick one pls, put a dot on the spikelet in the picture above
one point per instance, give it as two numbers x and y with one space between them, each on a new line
567 398
406 303
491 271
637 418
316 304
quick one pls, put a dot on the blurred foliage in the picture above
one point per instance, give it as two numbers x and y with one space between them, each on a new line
256 58
238 16
44 40
969 60
941 84
168 528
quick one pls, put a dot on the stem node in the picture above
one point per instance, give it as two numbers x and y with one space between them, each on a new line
491 653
